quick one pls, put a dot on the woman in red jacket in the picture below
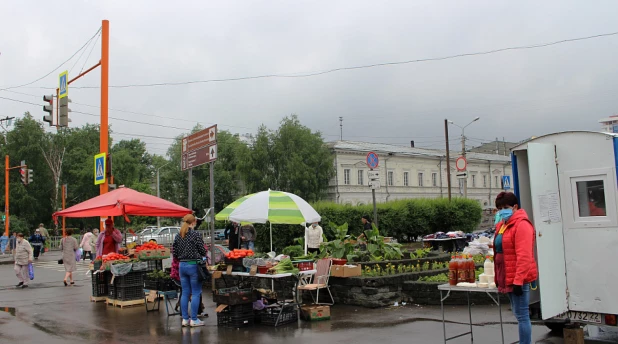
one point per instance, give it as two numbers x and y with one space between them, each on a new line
514 260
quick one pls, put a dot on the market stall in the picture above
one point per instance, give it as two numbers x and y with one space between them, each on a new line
119 279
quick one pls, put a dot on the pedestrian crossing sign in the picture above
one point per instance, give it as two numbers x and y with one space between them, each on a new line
506 182
99 169
63 85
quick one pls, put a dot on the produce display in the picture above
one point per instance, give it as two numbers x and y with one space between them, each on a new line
239 254
285 266
149 246
115 256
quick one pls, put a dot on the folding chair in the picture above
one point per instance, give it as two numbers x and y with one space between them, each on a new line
320 281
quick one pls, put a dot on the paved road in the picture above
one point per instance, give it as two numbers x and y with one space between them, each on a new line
50 313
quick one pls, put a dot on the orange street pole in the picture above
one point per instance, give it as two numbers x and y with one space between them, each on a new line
104 95
6 195
64 195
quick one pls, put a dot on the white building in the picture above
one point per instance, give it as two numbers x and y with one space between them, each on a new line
609 124
408 172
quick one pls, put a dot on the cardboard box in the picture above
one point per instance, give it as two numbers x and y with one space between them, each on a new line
345 270
315 312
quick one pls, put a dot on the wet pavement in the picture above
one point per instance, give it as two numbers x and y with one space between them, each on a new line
47 312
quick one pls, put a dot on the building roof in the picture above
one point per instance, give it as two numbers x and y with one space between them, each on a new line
609 119
502 147
385 148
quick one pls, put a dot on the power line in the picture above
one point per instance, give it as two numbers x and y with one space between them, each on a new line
132 121
55 69
383 64
87 57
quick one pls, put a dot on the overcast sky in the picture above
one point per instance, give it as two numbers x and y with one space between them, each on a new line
517 94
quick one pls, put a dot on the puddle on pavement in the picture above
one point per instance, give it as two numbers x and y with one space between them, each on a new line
10 310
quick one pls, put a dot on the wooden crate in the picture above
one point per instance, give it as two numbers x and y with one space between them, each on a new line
130 303
98 298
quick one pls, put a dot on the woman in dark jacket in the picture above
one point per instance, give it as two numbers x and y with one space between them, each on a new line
188 249
515 266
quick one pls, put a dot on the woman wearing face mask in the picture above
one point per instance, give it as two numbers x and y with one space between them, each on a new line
23 256
314 237
188 249
514 260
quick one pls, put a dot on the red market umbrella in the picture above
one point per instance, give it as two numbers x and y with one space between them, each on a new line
122 202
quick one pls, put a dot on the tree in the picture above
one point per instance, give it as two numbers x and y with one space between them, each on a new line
292 159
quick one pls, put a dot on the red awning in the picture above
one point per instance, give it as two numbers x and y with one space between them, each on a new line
124 201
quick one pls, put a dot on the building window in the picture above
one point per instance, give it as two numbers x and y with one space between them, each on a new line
406 179
420 179
474 180
360 177
591 198
495 181
346 176
434 179
484 181
390 178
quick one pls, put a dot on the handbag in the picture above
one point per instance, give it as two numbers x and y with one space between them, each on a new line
60 261
202 271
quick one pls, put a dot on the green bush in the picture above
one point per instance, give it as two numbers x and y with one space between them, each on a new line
400 219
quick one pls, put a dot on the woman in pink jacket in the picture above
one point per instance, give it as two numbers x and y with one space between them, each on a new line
85 245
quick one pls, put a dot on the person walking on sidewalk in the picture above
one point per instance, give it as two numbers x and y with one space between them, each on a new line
85 245
23 256
4 241
38 242
13 244
68 246
45 235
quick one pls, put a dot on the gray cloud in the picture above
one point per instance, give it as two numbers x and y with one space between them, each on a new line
517 94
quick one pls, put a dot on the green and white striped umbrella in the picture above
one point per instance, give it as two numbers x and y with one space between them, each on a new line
276 207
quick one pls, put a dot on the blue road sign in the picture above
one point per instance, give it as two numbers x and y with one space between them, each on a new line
63 84
506 182
372 160
99 169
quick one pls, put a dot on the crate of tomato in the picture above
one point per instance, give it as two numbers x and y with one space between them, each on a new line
151 250
236 256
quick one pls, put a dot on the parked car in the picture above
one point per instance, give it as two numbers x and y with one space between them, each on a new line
163 236
219 234
139 236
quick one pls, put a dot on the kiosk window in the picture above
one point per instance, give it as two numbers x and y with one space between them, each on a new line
591 198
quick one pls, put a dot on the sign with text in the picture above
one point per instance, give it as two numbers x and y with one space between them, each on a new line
201 139
199 157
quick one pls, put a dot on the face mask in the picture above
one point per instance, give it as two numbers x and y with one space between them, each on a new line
505 214
314 225
497 219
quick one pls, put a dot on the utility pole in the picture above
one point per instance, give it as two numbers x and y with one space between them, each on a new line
463 149
8 121
341 128
448 159
159 192
104 129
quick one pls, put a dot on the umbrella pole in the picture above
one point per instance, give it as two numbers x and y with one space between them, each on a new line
271 236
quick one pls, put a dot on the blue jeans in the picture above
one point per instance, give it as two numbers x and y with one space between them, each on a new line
249 245
191 287
521 310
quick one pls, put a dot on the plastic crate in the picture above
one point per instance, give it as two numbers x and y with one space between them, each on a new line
305 266
238 297
133 278
268 316
155 264
236 316
129 293
99 285
159 284
97 265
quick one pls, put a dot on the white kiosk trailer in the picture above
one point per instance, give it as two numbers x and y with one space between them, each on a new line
567 182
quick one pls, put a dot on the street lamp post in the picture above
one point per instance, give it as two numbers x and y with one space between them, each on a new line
463 149
159 192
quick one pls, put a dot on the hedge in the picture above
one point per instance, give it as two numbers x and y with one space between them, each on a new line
402 219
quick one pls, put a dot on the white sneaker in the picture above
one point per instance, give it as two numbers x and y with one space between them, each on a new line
196 323
185 322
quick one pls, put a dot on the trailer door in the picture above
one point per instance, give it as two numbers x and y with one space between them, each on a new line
547 219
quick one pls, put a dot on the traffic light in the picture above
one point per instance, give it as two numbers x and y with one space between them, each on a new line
30 175
63 116
24 173
49 109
